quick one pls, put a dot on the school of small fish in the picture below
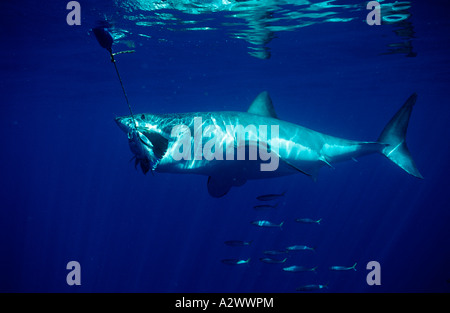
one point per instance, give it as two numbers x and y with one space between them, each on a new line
280 256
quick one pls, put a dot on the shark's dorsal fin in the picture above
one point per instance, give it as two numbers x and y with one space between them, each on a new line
262 105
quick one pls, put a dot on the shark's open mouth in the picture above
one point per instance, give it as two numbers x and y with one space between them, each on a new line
148 147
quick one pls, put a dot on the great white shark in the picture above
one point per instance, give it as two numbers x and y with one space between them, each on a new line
155 143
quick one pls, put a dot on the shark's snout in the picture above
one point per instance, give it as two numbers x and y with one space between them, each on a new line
118 120
122 123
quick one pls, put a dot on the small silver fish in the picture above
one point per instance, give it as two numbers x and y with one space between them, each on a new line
272 261
296 268
237 243
343 268
235 261
308 221
311 287
263 223
270 197
261 207
275 252
299 247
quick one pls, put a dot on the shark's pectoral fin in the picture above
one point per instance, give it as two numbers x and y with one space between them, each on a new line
219 186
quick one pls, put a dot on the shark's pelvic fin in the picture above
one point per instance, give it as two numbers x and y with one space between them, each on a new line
296 168
394 134
324 160
263 106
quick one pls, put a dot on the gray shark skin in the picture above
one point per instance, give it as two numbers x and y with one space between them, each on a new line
296 149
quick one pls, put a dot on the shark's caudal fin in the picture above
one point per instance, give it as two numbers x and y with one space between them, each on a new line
394 134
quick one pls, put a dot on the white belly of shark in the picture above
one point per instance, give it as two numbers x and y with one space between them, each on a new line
233 147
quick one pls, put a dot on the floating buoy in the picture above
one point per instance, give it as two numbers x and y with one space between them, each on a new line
103 37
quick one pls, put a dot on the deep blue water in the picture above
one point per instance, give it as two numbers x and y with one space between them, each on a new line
69 191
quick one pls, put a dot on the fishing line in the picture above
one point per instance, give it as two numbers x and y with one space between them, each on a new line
120 80
105 40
